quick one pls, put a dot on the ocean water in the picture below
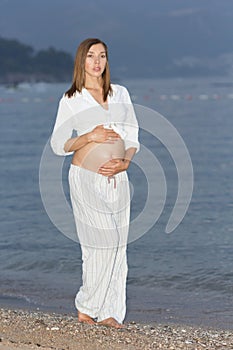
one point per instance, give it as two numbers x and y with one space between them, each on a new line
185 276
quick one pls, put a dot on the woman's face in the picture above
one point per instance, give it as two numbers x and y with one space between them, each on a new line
96 61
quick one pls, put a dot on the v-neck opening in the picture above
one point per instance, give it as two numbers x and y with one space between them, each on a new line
99 104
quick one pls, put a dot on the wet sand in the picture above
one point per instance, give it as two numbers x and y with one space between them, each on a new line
25 330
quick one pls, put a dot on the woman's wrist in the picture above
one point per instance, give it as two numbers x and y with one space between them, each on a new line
89 137
126 163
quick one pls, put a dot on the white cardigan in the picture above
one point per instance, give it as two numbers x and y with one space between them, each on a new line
81 113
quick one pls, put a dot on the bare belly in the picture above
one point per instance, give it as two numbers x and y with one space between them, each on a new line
94 155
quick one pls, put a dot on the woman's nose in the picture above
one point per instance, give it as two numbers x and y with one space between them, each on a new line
97 59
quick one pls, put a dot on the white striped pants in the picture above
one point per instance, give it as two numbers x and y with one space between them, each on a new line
101 208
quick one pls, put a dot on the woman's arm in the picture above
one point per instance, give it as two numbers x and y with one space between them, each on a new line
115 166
63 128
131 123
75 143
129 154
99 135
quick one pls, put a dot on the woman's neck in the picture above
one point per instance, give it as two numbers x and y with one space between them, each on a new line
94 83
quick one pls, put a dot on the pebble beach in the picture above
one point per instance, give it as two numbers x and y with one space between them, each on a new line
25 330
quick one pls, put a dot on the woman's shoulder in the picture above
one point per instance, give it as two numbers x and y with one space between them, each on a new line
119 91
75 103
71 100
67 98
118 88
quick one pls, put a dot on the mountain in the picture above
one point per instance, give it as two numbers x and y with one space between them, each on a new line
20 62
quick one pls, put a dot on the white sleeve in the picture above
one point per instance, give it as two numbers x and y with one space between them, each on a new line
131 124
63 128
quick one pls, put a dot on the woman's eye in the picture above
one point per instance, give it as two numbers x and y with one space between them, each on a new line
92 56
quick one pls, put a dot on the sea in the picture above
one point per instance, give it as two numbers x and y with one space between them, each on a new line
184 276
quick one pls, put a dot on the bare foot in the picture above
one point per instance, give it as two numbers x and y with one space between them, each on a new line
111 322
83 318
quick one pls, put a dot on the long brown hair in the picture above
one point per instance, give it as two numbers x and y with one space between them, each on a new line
78 81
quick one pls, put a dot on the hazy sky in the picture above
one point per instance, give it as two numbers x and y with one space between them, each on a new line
64 23
133 29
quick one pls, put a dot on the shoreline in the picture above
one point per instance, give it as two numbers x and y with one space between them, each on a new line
26 329
163 309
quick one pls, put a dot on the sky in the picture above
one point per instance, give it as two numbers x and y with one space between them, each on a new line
135 31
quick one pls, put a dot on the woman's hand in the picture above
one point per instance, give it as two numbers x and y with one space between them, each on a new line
113 167
100 134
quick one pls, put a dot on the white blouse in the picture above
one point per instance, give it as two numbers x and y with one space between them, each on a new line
81 113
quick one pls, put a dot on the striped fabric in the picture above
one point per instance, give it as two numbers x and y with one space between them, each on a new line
101 208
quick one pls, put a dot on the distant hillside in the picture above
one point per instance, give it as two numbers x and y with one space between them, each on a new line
191 47
20 62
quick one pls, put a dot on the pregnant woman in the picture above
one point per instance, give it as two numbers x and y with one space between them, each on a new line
97 124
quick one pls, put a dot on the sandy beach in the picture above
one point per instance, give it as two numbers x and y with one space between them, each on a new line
25 330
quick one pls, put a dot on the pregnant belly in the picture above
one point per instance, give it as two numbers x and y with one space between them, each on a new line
93 156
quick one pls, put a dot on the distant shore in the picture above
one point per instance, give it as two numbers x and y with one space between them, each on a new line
24 330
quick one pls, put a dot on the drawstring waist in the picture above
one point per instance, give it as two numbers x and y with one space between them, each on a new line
77 168
112 178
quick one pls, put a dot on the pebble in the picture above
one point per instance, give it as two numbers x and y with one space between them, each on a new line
16 327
